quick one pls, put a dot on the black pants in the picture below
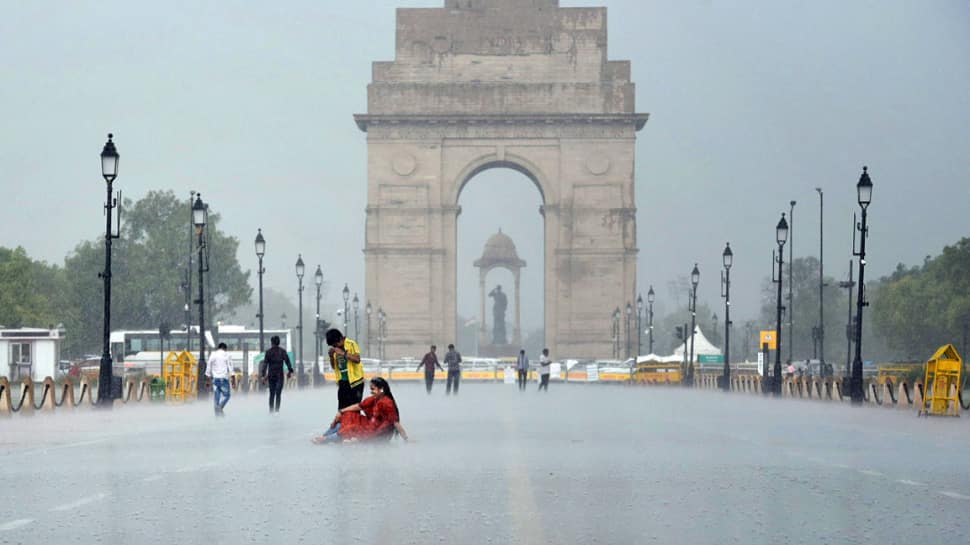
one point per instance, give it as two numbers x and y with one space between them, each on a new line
428 381
275 391
523 378
544 382
347 395
454 377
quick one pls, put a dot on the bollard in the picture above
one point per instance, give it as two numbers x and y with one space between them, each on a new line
48 404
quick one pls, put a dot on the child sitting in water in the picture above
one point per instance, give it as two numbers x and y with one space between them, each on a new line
376 417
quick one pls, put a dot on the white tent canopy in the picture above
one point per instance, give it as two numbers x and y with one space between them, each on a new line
702 346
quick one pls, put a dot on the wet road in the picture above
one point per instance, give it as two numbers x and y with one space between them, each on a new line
582 464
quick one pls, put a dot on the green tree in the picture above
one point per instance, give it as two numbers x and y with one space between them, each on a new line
148 271
29 290
922 308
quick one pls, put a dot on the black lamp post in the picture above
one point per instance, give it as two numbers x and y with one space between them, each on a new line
300 270
318 280
346 294
820 331
109 171
260 252
629 320
781 236
650 299
864 190
200 212
639 326
791 284
727 257
356 303
849 335
367 311
695 278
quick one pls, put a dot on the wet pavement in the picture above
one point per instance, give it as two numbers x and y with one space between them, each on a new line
581 464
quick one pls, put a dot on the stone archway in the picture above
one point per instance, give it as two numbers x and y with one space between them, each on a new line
521 84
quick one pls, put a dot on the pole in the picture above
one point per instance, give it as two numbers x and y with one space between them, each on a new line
316 343
693 325
262 345
855 383
200 380
640 332
105 377
848 325
726 381
791 284
821 267
776 384
188 276
301 380
651 326
628 317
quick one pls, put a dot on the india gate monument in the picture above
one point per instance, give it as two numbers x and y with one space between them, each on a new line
518 84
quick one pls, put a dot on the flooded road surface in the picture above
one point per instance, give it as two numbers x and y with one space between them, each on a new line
581 464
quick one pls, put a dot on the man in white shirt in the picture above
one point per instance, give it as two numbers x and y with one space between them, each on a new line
220 370
545 365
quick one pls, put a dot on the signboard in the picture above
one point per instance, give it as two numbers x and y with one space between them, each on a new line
761 363
770 338
592 373
710 358
555 370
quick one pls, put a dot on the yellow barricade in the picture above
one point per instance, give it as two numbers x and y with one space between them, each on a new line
942 383
180 373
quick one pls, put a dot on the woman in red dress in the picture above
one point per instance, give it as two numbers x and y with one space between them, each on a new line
376 417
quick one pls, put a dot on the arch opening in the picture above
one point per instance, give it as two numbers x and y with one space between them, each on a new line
493 197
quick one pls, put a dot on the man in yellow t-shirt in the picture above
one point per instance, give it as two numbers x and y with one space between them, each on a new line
345 361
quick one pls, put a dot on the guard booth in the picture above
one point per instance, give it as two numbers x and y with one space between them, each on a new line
942 383
180 374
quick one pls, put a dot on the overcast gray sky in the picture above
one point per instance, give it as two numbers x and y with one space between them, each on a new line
752 104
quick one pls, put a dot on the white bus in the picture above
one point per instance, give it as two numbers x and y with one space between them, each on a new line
144 351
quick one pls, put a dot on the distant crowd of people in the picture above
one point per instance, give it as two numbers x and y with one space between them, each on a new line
375 418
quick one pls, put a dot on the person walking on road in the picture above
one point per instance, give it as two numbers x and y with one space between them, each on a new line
544 367
219 372
522 367
345 361
429 362
453 361
272 368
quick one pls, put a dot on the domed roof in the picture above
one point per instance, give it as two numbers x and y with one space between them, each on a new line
499 250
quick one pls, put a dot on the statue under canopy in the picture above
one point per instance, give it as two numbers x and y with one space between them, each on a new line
498 315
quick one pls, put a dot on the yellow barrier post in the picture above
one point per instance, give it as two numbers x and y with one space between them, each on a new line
942 383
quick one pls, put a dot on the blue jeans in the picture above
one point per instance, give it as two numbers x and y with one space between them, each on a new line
220 390
331 435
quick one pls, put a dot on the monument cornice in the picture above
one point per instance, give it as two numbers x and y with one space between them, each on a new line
364 121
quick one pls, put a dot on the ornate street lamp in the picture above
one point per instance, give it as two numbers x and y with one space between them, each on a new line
651 297
356 303
318 280
200 214
727 258
109 171
781 236
695 278
300 270
260 252
864 190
